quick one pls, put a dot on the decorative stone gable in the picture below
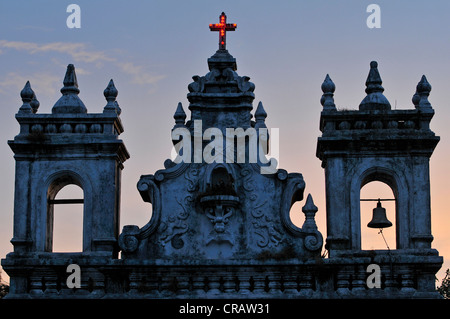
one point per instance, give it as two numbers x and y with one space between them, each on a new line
224 210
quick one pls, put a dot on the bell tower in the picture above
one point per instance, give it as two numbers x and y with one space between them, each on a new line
68 146
377 143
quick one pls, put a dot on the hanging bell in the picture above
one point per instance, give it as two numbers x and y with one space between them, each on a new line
379 219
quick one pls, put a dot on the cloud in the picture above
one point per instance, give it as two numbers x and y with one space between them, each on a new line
138 73
44 84
80 52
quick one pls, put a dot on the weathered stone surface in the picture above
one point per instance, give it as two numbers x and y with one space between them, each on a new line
390 146
221 210
54 150
222 228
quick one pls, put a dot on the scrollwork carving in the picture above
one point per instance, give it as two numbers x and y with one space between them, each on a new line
128 240
313 241
264 226
257 211
268 233
247 183
150 193
192 176
175 227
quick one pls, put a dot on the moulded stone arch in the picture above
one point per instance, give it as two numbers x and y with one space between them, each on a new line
394 178
54 182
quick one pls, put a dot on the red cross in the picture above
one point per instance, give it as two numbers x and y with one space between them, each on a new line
222 27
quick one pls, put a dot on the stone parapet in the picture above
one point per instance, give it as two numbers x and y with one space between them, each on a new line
403 275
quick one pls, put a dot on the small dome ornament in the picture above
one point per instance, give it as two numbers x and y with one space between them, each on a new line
110 94
327 100
69 102
375 100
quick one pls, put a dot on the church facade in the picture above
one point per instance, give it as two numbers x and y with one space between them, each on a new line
220 225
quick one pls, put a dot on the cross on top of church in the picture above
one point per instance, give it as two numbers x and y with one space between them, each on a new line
222 27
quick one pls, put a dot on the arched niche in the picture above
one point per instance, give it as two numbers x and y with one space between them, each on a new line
371 238
68 205
55 183
397 182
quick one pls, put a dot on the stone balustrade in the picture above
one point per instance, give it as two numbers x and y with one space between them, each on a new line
366 121
51 124
340 277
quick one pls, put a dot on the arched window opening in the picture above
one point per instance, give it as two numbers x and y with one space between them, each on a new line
371 238
65 218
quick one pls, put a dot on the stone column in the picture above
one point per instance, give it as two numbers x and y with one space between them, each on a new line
244 284
290 283
338 214
22 206
420 212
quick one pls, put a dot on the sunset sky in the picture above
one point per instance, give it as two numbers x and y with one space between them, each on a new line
153 48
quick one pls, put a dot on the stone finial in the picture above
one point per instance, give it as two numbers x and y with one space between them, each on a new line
30 102
423 90
27 95
260 116
375 100
179 116
69 102
110 94
327 99
310 211
70 81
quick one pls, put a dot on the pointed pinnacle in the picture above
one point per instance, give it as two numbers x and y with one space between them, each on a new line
375 100
110 92
328 85
179 115
373 82
70 81
327 99
423 86
69 102
423 90
27 93
260 113
309 205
